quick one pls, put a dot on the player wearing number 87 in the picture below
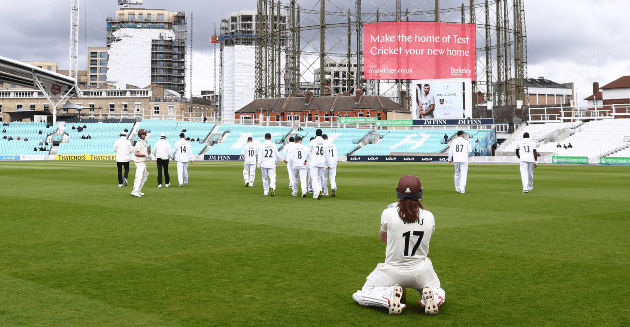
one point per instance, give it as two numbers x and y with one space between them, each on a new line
267 161
249 153
406 227
526 151
458 154
182 154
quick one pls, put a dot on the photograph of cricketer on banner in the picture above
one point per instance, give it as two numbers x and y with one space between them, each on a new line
441 98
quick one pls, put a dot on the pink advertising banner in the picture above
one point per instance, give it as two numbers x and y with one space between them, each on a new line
419 50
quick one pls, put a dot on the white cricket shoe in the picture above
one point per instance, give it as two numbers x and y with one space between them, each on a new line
135 194
525 191
294 194
430 307
462 191
141 193
395 307
120 185
251 185
458 190
159 185
167 185
180 185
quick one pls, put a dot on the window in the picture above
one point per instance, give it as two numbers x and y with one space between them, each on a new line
297 117
160 16
316 117
50 68
93 54
378 115
360 114
289 118
277 117
148 16
103 54
131 16
171 110
103 62
156 110
309 117
0 107
189 109
326 117
102 78
93 70
92 77
91 105
368 114
32 106
139 16
93 85
46 107
347 115
18 106
137 105
124 107
93 62
111 107
102 70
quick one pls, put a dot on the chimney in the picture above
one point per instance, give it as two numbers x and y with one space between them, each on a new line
357 95
309 96
595 88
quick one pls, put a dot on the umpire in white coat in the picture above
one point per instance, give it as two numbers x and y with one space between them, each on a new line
162 151
183 155
458 154
123 150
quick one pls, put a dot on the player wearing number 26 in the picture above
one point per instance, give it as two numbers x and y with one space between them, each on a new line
249 153
526 151
458 154
182 154
267 161
406 227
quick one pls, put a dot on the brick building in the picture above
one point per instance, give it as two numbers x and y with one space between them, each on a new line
613 97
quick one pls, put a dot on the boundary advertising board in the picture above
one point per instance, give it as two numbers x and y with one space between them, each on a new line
397 159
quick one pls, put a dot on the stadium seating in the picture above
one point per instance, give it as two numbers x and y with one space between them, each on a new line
172 129
413 141
537 133
238 134
103 137
346 139
593 139
29 131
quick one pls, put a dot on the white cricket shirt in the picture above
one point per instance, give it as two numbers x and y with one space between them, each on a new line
298 155
317 152
526 149
460 150
407 244
331 150
249 153
183 151
123 149
268 155
141 147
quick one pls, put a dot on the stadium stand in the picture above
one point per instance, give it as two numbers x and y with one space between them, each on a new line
413 141
235 136
103 137
29 131
593 139
537 132
346 139
172 129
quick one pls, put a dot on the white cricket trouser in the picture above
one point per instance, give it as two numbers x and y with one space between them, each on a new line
249 173
317 179
182 172
268 178
461 174
527 175
141 176
290 171
299 172
330 175
309 178
386 275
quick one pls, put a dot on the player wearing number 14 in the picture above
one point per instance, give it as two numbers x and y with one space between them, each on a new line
458 154
406 227
182 154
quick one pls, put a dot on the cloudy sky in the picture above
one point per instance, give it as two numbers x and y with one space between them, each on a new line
580 41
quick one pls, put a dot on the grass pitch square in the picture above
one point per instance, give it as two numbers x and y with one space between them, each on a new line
76 250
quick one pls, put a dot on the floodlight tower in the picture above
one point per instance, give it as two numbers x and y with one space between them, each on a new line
74 41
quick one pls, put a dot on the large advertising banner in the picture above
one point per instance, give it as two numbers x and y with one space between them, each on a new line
419 50
441 99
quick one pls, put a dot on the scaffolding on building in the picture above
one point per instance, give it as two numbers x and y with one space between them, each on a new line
326 33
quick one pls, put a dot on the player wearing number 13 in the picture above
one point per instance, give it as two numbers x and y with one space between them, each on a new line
526 151
267 161
458 154
183 155
249 153
406 227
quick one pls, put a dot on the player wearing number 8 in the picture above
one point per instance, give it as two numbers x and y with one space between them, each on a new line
182 154
526 151
249 153
458 154
406 227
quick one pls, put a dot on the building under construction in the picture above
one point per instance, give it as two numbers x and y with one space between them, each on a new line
147 46
321 33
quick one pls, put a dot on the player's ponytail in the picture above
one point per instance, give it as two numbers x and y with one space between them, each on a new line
409 210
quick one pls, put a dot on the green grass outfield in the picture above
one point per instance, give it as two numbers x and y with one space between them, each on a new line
76 250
